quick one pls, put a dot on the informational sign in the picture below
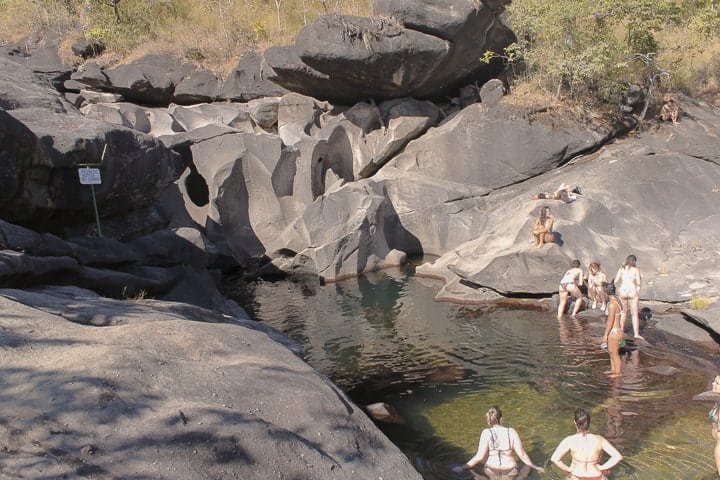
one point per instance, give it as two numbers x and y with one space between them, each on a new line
89 176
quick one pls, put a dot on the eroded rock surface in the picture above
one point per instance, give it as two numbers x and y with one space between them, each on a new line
149 389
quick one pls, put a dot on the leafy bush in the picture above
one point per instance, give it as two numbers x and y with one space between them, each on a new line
591 48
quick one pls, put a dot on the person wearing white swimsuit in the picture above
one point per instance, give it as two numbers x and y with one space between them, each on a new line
498 443
570 285
629 281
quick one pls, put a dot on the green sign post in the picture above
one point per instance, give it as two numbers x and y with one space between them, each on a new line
91 176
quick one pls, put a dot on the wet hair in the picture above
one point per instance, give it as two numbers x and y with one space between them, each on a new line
582 419
494 415
575 263
594 265
609 288
630 261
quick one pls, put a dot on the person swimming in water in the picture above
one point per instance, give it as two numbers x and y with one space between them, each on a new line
585 449
498 443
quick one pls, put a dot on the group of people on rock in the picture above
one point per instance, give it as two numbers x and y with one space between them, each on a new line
498 443
602 293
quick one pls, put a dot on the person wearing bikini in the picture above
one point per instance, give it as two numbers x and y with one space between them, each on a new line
498 443
714 416
595 281
543 228
629 280
570 285
585 450
613 335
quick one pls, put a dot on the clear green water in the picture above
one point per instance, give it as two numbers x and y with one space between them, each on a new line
382 338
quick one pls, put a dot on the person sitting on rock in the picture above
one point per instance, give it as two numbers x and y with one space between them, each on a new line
543 228
670 111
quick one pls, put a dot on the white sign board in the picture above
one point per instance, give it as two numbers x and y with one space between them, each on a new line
89 176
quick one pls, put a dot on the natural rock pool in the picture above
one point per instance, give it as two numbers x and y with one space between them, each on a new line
382 338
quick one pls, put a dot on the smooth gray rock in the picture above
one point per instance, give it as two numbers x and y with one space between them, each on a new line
155 389
491 92
91 74
626 207
200 86
135 170
250 80
150 80
20 88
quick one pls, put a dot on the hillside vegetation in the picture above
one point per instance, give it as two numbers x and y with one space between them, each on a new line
582 49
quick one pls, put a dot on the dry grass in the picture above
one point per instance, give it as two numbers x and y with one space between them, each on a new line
215 33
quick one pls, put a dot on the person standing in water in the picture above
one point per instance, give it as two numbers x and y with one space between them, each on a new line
498 443
629 281
715 420
585 449
570 285
613 333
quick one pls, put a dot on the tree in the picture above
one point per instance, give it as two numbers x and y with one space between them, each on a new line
593 47
114 4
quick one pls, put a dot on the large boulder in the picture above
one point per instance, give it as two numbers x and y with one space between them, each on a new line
150 80
249 80
346 232
46 150
470 30
20 88
425 50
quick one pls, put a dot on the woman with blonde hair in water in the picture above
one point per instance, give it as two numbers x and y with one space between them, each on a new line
629 281
498 443
585 449
570 285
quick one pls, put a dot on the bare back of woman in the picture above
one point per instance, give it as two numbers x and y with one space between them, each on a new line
585 450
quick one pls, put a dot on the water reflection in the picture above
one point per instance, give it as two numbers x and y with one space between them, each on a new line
383 338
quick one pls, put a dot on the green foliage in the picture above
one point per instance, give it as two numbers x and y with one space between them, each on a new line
592 48
259 31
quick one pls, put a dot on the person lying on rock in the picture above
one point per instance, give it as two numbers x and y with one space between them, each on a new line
563 193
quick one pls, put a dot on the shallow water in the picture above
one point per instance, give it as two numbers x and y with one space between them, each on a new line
382 338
